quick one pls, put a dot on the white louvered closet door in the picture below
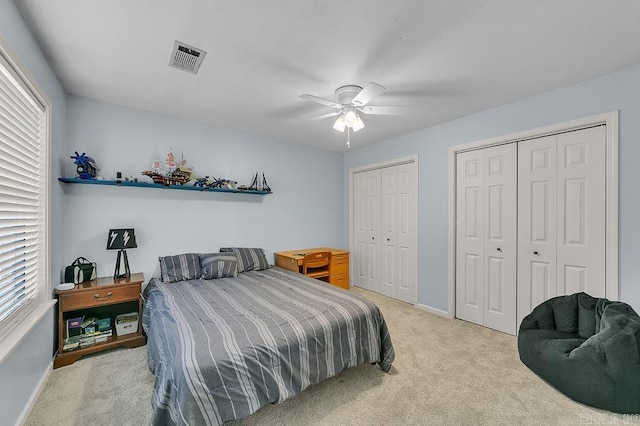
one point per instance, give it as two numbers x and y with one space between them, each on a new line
486 237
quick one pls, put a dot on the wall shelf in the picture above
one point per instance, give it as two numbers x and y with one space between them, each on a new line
157 185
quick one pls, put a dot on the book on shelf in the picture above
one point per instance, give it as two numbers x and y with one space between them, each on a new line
88 325
95 337
74 327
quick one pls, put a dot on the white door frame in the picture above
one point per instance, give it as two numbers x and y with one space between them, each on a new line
611 214
414 202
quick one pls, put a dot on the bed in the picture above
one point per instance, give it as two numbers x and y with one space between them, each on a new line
221 349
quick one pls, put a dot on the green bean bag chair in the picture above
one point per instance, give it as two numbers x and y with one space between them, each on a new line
587 348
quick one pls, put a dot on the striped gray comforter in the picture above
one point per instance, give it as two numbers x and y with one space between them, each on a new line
223 348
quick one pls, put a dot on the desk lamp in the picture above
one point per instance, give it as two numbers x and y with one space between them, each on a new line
121 239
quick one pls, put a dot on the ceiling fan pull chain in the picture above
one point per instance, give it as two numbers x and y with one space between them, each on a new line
348 137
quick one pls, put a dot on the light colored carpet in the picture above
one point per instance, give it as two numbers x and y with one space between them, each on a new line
446 372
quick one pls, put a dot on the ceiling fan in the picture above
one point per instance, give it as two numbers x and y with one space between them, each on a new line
351 100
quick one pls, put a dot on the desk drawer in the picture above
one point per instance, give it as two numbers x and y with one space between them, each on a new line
343 257
98 297
339 266
341 280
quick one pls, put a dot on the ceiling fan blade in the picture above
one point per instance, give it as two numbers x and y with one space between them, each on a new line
331 114
382 110
369 92
321 101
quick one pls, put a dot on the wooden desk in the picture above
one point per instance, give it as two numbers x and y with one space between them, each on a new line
338 268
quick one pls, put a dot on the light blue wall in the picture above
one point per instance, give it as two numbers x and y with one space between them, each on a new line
22 370
616 91
309 206
305 209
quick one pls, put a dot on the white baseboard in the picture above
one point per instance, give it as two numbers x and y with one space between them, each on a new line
34 396
433 310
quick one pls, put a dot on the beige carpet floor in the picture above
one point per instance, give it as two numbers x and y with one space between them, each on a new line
446 372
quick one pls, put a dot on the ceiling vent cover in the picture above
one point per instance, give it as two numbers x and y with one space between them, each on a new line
186 58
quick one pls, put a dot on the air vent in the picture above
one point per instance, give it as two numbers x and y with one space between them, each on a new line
186 58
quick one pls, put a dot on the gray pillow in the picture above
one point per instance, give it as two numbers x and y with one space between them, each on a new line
218 265
249 259
179 268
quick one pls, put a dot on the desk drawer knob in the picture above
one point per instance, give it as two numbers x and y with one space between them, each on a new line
97 296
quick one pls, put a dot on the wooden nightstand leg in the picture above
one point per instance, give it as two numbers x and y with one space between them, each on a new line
134 343
66 359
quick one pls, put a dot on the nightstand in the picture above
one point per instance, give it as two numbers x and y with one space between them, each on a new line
101 297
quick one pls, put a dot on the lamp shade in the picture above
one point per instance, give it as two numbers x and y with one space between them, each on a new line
119 239
350 116
358 124
339 125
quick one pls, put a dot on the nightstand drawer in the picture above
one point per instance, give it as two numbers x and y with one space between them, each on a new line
99 297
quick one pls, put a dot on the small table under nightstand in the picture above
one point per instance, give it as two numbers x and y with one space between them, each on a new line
106 295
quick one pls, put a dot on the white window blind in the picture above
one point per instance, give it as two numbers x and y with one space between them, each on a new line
22 195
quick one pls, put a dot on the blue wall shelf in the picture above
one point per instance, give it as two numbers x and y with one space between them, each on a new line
157 185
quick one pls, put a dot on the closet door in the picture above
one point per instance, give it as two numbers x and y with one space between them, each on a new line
500 195
367 224
407 227
537 183
470 236
359 223
385 209
397 229
581 212
561 207
486 237
389 221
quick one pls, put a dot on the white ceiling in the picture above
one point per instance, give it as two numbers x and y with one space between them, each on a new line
443 59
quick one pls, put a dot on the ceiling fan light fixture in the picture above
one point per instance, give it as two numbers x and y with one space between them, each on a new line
351 100
357 124
350 117
340 125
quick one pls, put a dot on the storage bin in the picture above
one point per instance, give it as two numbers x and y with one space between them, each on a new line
127 323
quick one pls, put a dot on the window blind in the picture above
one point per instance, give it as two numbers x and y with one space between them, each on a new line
22 193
